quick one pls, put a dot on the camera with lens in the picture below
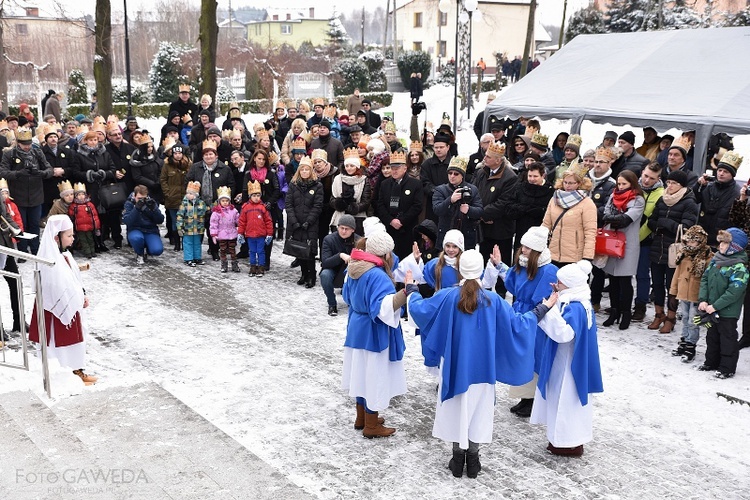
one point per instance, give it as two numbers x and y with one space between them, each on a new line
465 193
417 108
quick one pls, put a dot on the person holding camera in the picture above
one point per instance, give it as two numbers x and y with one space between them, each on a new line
716 193
457 204
142 217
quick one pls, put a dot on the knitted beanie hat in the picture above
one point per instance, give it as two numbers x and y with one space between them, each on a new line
575 275
348 221
535 238
471 265
372 225
379 244
456 237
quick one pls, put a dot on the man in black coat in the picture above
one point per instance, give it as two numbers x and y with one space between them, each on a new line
212 174
630 159
457 205
399 205
334 258
330 144
716 197
476 159
434 172
57 157
372 117
183 105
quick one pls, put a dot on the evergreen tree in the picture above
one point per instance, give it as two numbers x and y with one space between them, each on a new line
741 18
77 91
337 36
166 72
587 21
626 16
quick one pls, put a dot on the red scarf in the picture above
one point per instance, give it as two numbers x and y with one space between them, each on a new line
358 254
620 199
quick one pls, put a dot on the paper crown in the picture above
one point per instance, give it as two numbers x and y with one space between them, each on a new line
318 102
227 134
299 144
253 187
43 130
186 118
458 163
319 154
280 104
113 127
575 140
64 186
306 161
578 169
143 139
24 134
100 127
194 187
208 144
350 153
416 146
732 159
99 120
606 153
235 113
446 120
539 139
4 185
390 127
261 134
273 158
224 192
363 141
168 143
79 187
184 87
4 125
113 119
329 112
497 148
682 143
429 127
398 158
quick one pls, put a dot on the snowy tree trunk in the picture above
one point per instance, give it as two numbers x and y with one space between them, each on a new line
529 38
103 57
209 37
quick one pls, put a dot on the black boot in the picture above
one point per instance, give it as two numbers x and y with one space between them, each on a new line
625 318
224 266
680 348
614 317
310 282
517 406
472 464
268 257
639 313
688 353
525 410
178 244
456 465
302 279
744 341
280 234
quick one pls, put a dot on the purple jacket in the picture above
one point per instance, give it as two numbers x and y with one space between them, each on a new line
224 222
283 186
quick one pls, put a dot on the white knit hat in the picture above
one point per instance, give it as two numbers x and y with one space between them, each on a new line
372 225
572 275
376 146
471 264
379 244
535 238
456 237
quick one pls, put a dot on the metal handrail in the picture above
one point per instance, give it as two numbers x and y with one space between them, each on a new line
41 324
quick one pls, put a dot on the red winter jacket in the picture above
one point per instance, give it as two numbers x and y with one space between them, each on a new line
255 221
84 215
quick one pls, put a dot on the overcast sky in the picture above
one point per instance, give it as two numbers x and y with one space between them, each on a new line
548 11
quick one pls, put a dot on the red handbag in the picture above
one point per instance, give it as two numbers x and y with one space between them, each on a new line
610 243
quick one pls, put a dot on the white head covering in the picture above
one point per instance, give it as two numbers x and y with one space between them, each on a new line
456 237
372 225
471 265
62 292
379 244
535 238
375 146
575 275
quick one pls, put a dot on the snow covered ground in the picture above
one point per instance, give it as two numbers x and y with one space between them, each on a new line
260 359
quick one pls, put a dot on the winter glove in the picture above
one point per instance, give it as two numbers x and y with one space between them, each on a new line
294 227
339 204
706 319
240 240
90 176
98 232
619 221
33 168
100 175
151 203
267 205
140 204
305 225
269 240
215 240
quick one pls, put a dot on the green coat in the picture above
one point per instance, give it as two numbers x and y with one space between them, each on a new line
724 287
651 198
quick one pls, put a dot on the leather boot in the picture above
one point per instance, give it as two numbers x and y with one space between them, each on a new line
658 318
669 322
456 465
373 428
524 411
614 317
639 312
625 313
359 423
472 465
310 281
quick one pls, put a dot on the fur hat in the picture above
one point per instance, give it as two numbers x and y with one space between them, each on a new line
372 225
535 238
379 244
736 238
471 265
695 233
574 275
456 237
348 221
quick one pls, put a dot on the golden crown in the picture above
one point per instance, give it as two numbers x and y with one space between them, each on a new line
224 192
398 158
682 143
732 159
575 140
186 118
351 153
299 143
4 125
227 134
184 87
142 139
3 184
280 104
194 186
100 127
99 119
24 134
168 143
235 113
306 161
253 187
390 127
577 168
64 186
113 127
458 163
273 158
606 153
497 148
416 146
261 134
319 154
329 112
113 119
209 144
318 102
364 140
540 140
79 187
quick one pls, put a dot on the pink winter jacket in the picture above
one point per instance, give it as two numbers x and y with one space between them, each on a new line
224 222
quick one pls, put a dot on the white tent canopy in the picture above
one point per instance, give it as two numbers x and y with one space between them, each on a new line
692 79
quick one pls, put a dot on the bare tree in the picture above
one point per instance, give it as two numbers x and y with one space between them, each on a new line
103 56
529 38
209 38
3 72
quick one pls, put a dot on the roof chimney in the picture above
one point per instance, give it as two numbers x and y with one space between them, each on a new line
32 12
312 12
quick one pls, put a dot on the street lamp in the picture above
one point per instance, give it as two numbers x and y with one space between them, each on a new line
470 6
443 7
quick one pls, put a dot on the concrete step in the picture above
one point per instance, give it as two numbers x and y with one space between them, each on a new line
178 452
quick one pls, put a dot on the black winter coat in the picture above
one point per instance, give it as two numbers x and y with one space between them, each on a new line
497 193
403 202
528 206
184 107
304 204
635 163
270 192
432 174
221 176
63 159
25 178
665 221
147 171
121 159
450 215
715 200
333 147
600 193
95 161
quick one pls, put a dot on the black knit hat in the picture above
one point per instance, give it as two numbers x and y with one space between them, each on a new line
628 136
679 177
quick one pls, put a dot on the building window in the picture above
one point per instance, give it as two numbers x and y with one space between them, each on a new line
443 18
417 46
22 29
442 48
417 19
258 30
275 17
286 29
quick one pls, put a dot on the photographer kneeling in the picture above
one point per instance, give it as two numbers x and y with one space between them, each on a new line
457 205
142 217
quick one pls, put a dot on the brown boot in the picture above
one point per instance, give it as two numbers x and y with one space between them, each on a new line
359 423
87 379
658 318
669 322
373 428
